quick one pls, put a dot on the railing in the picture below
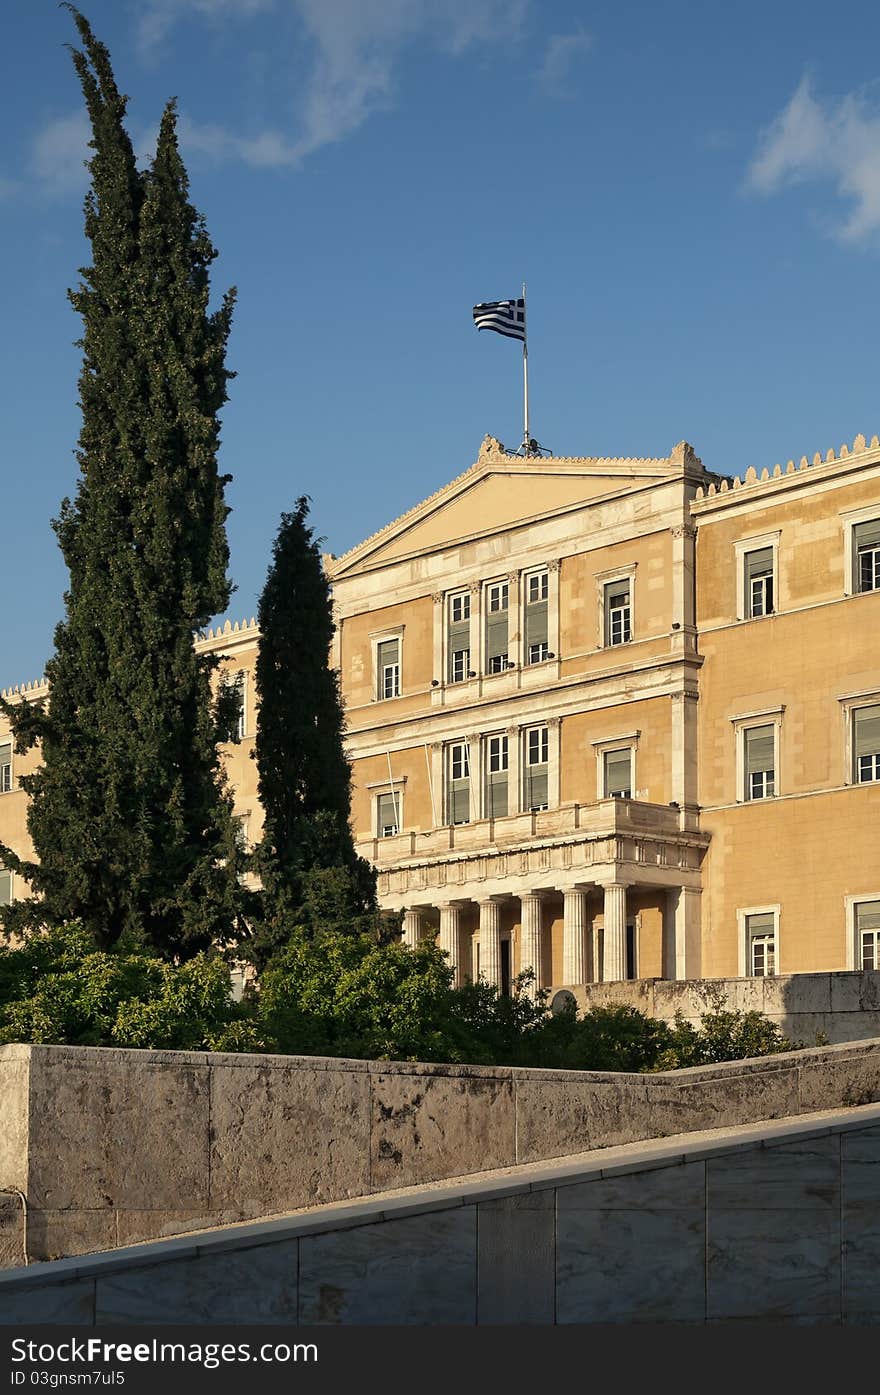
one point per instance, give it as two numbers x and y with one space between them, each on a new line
605 818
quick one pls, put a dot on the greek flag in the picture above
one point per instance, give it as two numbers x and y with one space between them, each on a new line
506 317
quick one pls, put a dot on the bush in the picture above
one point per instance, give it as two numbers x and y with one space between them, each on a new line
723 1036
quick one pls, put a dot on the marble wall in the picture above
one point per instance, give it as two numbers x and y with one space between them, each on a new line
122 1146
776 1222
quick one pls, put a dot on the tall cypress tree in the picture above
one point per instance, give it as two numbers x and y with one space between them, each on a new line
310 872
128 813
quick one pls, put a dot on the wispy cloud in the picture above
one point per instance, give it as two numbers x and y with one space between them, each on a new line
58 153
837 142
357 47
562 53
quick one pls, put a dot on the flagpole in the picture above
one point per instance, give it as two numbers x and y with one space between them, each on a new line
525 376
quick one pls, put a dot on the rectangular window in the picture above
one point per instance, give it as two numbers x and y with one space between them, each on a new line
537 647
458 637
5 887
618 774
618 612
535 775
5 767
866 555
388 815
496 627
866 744
496 777
868 934
459 788
759 761
388 664
761 944
758 572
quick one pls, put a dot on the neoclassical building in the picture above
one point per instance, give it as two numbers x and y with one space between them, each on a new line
610 718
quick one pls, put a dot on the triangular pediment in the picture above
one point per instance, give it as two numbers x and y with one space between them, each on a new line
498 493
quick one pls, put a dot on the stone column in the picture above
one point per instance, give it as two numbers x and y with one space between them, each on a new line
614 939
683 905
574 937
413 926
450 939
531 918
490 942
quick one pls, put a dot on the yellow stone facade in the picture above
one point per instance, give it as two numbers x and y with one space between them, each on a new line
610 718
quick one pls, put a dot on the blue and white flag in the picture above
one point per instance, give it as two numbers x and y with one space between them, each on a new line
506 317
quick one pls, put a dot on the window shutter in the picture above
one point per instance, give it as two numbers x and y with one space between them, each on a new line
458 639
6 753
496 634
866 732
536 624
496 794
536 787
759 749
761 924
866 534
388 650
867 915
459 801
5 888
759 563
618 771
388 812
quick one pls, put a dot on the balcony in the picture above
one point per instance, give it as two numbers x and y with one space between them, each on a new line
606 818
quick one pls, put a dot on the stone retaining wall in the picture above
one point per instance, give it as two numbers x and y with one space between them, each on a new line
114 1146
841 1006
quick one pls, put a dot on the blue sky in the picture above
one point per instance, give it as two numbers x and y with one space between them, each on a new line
691 191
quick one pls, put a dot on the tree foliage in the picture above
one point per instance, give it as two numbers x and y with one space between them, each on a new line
128 812
310 873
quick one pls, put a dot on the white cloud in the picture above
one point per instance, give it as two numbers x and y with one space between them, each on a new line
560 57
59 151
836 142
356 49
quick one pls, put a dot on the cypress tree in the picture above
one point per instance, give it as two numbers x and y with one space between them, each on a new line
310 872
128 813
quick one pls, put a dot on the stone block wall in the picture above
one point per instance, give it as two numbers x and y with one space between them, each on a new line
765 1222
122 1146
843 1006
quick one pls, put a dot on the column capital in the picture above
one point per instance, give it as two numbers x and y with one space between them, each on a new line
513 577
607 882
475 588
437 597
553 565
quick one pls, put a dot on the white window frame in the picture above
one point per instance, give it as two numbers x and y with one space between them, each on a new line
626 741
8 788
526 764
7 871
381 637
742 922
744 722
848 704
611 578
539 574
493 586
853 948
849 518
471 749
398 793
755 544
504 752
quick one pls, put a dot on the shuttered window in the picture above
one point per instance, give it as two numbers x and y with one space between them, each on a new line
866 744
388 814
535 624
496 777
761 944
618 774
535 773
618 614
496 627
759 582
759 761
5 767
866 555
458 802
458 637
868 934
5 887
388 664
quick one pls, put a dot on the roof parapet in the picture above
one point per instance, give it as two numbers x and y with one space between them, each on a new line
751 476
